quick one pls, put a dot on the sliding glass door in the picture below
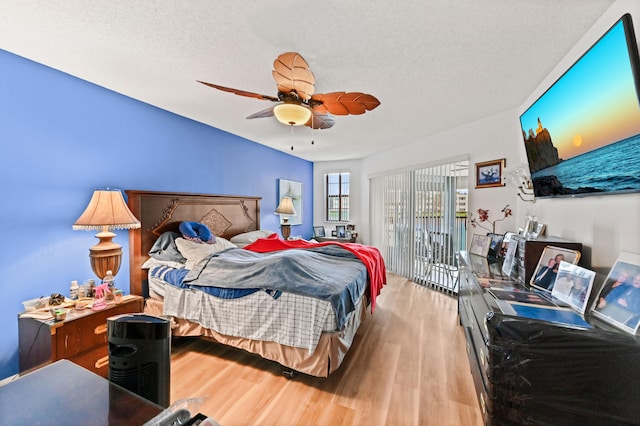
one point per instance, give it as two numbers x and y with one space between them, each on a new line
418 221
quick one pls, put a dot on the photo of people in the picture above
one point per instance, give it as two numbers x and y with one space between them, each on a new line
619 299
544 277
573 285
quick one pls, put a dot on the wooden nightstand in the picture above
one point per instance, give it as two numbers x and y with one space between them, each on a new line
81 337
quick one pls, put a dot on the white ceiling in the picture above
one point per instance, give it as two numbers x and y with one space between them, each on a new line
433 64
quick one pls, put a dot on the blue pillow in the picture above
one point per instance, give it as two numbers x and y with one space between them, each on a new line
196 231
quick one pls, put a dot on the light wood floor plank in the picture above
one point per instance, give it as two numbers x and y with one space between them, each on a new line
407 366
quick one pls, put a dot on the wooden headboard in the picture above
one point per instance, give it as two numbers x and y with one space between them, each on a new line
158 212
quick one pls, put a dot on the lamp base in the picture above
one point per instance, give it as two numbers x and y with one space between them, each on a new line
106 255
286 230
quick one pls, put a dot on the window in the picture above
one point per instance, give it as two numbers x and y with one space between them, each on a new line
336 189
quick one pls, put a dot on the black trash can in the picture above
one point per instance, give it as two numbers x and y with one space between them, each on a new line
140 355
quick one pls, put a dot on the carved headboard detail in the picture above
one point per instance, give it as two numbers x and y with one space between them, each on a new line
159 212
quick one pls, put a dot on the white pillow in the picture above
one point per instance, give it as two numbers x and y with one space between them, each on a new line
247 238
193 251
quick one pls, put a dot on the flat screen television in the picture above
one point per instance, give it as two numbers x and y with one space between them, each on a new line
582 136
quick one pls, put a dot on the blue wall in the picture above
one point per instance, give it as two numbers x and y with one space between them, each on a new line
62 137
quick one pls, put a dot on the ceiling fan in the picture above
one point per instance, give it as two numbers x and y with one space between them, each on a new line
297 104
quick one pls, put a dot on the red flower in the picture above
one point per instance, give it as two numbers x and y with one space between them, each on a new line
483 216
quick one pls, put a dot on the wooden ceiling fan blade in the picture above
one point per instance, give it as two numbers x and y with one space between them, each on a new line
268 112
345 103
291 72
241 92
320 121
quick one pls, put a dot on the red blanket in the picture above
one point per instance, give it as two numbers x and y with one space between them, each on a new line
370 256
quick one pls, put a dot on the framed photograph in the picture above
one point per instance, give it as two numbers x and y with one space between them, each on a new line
544 276
333 233
341 231
489 173
618 301
351 227
480 266
348 235
509 262
318 231
496 244
480 245
288 188
530 225
505 244
573 285
539 231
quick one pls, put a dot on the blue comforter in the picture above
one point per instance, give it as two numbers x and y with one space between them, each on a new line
328 272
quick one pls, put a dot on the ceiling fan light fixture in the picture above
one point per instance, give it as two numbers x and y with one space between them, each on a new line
292 114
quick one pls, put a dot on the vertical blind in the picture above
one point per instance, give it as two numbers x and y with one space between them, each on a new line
418 221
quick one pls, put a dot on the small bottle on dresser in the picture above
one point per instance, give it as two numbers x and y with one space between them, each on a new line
73 290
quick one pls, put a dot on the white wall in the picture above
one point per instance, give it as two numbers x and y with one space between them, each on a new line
487 139
605 225
482 140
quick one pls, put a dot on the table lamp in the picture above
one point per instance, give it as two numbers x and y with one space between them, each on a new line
285 209
106 211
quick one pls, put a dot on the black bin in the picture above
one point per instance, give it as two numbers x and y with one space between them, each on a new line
140 355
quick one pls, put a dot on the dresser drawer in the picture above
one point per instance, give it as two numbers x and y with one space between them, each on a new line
95 359
86 332
478 345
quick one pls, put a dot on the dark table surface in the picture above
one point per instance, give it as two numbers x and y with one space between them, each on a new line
65 393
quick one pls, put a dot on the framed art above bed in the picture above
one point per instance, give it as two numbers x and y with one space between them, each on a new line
289 188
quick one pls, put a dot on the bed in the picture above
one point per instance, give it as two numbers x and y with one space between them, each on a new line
313 338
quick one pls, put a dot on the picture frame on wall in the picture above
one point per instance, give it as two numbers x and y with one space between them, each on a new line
618 302
289 188
489 173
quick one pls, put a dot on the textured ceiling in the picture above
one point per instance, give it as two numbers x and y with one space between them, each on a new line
433 64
